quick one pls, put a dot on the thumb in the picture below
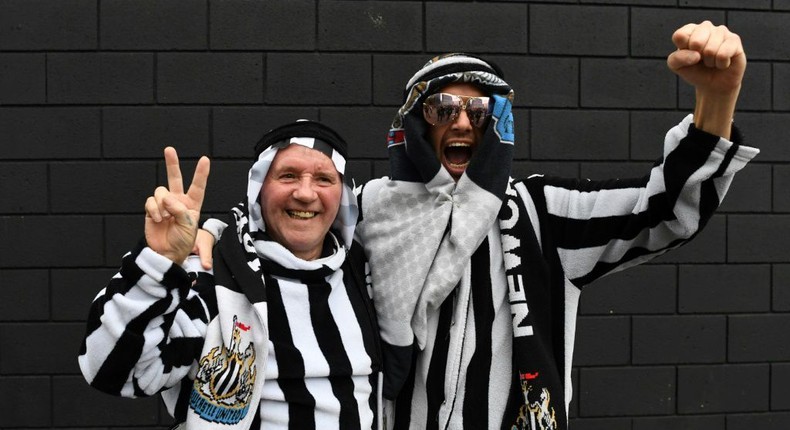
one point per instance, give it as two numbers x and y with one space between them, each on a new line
179 211
683 58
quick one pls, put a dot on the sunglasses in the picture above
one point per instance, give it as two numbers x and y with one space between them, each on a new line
443 108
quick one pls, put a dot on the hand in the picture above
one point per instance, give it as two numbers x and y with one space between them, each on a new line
708 57
171 217
204 244
712 59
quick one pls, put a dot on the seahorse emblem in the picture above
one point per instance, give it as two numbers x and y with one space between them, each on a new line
534 415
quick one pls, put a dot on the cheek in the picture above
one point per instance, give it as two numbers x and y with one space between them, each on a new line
331 202
435 134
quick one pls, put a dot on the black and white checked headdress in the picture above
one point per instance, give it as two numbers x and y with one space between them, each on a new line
445 69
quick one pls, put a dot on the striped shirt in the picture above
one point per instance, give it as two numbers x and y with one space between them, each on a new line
145 332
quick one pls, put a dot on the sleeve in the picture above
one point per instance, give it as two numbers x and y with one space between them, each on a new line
215 227
601 227
145 329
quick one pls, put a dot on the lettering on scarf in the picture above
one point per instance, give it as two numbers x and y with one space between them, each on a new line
518 306
508 219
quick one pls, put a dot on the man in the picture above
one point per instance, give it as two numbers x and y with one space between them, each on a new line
281 335
477 276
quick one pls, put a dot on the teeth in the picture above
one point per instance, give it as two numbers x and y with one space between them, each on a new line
301 214
458 165
462 144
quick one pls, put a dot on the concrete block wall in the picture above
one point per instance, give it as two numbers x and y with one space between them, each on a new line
92 90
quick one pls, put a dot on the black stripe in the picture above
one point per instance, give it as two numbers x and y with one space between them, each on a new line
602 267
232 271
490 165
228 378
96 309
301 404
114 371
176 278
327 334
182 403
585 233
323 147
403 410
434 383
129 269
475 407
356 288
180 351
256 421
691 153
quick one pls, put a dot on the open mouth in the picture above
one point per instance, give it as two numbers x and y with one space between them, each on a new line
301 214
458 154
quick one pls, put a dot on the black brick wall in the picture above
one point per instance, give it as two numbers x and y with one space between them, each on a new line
92 90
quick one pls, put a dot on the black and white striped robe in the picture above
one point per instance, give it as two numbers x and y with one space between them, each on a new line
498 352
146 328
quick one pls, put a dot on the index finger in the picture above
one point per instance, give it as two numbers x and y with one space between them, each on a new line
197 189
174 181
682 37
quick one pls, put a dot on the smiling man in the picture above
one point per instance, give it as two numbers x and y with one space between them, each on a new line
282 334
477 276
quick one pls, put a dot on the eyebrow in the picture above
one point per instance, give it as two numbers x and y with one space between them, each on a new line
331 171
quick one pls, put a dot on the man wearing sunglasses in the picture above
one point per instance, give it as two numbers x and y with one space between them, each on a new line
477 276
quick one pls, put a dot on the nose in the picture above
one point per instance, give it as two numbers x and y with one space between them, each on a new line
304 191
462 122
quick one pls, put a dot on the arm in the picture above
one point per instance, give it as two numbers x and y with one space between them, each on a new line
600 227
146 327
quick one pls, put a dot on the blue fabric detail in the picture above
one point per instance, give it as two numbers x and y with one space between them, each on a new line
504 119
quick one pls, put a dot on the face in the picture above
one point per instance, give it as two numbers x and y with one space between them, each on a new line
455 142
300 199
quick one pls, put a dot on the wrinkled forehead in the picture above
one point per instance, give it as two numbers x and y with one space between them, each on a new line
310 148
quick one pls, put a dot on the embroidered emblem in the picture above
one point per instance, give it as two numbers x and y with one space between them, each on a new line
538 414
395 137
224 381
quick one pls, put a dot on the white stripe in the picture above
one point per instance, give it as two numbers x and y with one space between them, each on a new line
572 295
327 407
348 326
339 161
584 205
304 141
532 211
296 306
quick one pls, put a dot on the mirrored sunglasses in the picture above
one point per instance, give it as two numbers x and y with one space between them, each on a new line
443 108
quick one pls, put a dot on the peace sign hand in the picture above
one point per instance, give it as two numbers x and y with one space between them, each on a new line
171 216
